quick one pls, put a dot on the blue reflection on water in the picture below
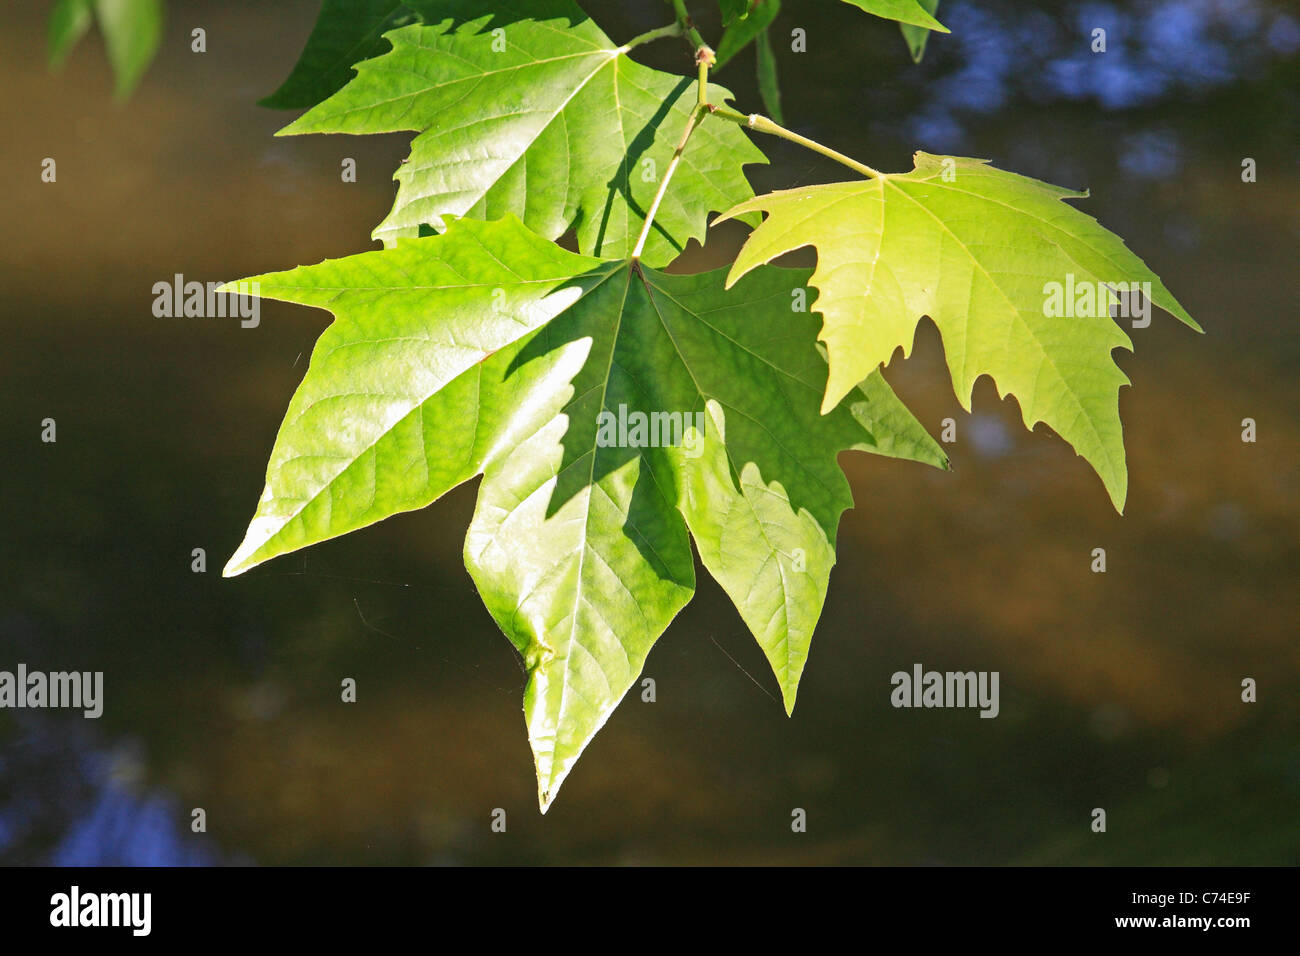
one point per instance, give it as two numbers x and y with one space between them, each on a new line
66 801
1153 51
121 829
1150 154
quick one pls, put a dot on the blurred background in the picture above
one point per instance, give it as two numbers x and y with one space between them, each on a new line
1119 690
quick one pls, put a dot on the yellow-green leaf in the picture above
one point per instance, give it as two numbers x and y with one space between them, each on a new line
986 254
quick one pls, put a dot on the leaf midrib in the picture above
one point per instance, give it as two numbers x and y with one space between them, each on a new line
566 683
479 77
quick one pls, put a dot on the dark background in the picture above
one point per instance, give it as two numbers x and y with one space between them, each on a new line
1119 690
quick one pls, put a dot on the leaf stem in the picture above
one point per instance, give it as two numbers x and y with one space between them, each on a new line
688 27
703 59
697 114
674 29
765 125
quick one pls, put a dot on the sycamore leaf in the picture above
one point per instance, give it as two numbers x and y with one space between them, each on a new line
69 22
614 412
1018 283
409 324
746 30
532 111
769 83
917 37
914 12
132 30
733 10
346 32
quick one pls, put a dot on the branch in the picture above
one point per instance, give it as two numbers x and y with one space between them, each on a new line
703 52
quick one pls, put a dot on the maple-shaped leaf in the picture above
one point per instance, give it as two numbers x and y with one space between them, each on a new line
346 32
1018 283
533 111
916 12
614 412
916 37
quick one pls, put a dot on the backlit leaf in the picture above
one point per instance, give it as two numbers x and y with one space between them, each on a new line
917 37
915 12
533 111
346 32
615 413
979 251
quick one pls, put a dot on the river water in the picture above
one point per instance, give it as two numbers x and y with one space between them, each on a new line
1119 691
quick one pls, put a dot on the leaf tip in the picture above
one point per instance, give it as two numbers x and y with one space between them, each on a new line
835 392
549 776
1117 488
244 559
293 129
234 567
1181 314
548 788
722 217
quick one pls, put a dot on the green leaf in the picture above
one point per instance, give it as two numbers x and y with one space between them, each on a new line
487 350
917 37
769 84
132 31
976 249
346 32
915 12
533 111
746 30
358 414
68 24
733 10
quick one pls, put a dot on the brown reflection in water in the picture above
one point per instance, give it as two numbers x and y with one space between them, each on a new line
1122 688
